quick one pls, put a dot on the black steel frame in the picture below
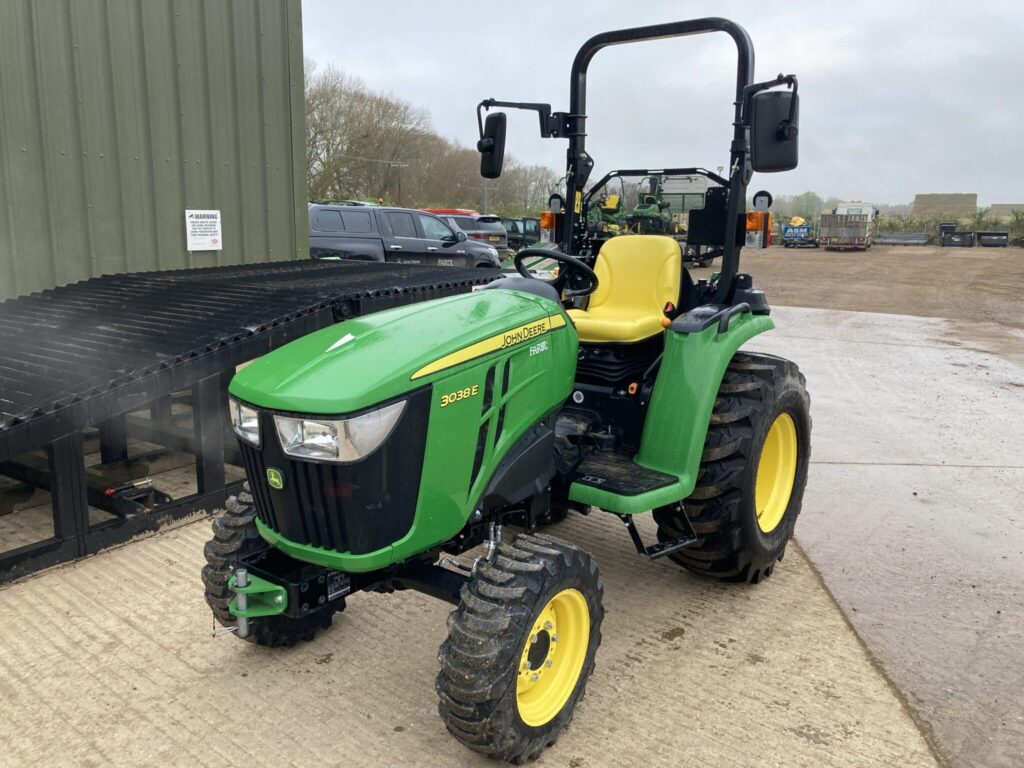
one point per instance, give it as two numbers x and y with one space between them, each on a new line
630 172
579 163
572 125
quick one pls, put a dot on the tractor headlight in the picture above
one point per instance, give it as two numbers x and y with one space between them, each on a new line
245 421
341 440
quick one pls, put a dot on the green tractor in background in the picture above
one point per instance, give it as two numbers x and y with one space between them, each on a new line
375 448
606 217
651 214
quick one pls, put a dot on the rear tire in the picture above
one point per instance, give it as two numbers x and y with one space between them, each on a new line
235 535
495 696
761 399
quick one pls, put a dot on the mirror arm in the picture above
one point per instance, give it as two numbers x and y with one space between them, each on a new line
748 93
550 124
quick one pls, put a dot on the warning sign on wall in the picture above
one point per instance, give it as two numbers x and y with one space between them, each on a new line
202 231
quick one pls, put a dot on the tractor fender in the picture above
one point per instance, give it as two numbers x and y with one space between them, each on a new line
685 389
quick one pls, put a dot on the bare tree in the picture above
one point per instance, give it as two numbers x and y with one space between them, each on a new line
365 145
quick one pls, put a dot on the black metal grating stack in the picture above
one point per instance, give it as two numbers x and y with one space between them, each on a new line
74 355
87 354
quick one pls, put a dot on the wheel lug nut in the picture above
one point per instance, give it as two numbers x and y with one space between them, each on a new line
526 665
548 625
535 677
533 638
548 663
554 638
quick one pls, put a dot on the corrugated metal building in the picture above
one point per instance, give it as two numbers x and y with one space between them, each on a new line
118 115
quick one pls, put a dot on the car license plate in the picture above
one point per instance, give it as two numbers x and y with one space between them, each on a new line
494 238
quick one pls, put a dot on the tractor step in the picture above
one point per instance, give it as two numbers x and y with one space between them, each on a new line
618 473
661 548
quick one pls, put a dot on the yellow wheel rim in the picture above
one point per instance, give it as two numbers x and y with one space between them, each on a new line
776 473
553 657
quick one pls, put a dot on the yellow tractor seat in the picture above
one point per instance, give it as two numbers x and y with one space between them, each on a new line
637 276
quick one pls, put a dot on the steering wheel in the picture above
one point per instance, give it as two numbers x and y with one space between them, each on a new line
574 273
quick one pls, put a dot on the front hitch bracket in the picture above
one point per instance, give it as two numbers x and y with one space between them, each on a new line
255 596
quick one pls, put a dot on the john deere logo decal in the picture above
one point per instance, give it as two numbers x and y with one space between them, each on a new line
275 478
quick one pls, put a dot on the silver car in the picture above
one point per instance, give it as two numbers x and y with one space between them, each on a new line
482 228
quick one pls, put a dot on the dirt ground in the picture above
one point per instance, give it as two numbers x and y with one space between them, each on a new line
971 284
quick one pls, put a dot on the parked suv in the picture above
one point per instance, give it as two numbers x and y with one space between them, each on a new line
398 235
477 226
522 232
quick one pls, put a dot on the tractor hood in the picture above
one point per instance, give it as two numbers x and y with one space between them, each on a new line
359 363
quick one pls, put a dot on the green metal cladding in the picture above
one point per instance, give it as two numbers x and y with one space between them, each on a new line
118 115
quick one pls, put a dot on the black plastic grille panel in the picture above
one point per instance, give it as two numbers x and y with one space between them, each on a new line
357 508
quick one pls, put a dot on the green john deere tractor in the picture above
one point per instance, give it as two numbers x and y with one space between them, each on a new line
651 214
374 447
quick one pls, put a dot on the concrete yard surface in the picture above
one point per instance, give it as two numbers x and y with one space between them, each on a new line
913 509
912 516
109 661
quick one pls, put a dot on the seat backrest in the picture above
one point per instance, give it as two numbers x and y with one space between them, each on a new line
638 273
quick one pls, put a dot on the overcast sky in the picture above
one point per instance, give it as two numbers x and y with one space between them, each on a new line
897 97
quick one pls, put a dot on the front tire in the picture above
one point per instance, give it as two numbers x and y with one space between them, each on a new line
752 474
521 648
235 535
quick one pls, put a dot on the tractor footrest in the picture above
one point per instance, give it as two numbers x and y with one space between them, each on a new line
660 548
618 473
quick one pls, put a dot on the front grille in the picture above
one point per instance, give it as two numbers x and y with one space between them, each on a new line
358 507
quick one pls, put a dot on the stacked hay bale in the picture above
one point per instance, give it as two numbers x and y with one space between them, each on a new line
1004 211
952 206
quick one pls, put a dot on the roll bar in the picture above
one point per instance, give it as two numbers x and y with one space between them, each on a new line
572 125
580 164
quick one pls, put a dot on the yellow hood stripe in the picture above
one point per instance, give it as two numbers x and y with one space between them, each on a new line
503 340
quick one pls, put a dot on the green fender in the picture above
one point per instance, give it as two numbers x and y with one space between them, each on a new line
679 413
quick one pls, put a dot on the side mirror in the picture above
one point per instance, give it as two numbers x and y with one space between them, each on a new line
492 146
774 131
460 236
